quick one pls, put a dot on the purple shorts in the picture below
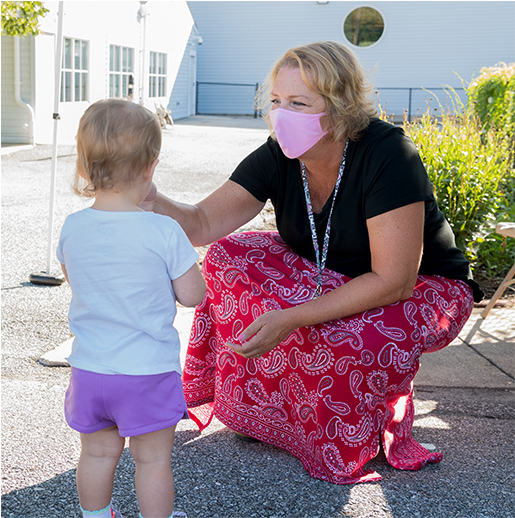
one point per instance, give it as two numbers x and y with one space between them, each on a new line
135 404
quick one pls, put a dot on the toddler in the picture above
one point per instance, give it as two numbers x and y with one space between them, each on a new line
126 269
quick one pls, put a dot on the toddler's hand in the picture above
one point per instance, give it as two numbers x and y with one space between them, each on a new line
148 203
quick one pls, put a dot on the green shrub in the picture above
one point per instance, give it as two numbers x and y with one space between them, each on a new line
473 180
491 96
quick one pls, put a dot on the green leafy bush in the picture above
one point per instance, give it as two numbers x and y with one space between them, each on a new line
492 98
473 179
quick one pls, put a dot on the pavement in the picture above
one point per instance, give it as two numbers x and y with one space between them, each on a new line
464 394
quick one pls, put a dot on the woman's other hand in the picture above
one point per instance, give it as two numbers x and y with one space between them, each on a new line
263 335
148 203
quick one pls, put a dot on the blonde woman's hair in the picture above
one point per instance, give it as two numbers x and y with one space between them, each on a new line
334 72
116 141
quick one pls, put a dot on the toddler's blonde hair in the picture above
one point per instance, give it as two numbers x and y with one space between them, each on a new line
116 141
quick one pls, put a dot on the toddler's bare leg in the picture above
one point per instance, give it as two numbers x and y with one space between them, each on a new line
154 480
95 473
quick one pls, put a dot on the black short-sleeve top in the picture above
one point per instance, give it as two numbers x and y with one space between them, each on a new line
383 172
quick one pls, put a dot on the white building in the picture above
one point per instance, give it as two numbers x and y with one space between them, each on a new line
107 45
411 44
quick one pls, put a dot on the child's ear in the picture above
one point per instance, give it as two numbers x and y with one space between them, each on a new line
149 172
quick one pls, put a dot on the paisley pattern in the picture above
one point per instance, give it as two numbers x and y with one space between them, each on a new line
329 393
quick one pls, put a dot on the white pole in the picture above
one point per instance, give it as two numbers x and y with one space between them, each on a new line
43 278
57 93
142 15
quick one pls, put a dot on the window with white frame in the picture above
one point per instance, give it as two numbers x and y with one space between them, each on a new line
121 67
157 75
74 71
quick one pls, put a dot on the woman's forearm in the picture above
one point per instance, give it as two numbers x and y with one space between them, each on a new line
365 292
214 217
396 243
362 293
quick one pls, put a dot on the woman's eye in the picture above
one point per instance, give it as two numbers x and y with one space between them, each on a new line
274 101
297 103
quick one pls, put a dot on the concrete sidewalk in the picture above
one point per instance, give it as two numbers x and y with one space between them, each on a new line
483 355
464 394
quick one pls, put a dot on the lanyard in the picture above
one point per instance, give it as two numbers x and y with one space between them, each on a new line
321 262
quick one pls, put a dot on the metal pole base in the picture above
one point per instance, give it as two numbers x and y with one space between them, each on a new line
45 279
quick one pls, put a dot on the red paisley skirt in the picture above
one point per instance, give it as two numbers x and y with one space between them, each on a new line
330 392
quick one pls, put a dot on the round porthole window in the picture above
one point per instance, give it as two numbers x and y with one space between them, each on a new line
363 26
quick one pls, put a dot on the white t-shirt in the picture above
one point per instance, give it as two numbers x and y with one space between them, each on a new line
120 266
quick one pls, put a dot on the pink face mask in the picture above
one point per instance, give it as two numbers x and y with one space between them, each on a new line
296 132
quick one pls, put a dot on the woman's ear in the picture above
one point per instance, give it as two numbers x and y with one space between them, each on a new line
149 172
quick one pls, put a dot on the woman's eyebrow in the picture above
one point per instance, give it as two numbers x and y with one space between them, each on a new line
293 96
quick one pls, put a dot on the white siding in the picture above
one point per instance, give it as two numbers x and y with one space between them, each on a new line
426 44
14 117
101 24
180 103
